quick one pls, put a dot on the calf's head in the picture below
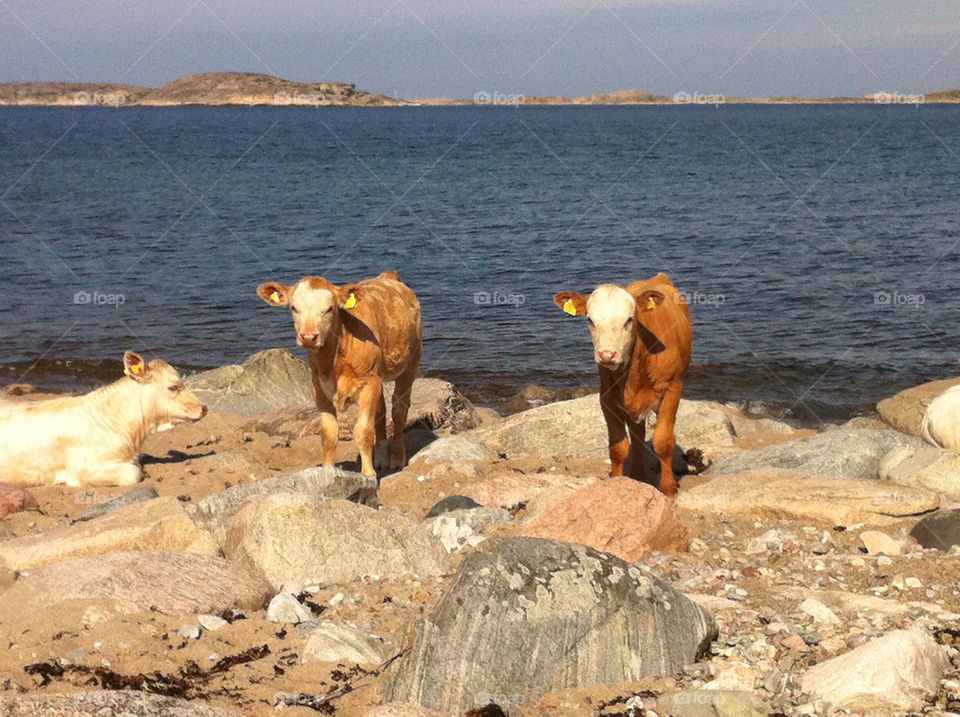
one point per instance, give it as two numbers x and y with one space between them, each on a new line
616 323
164 398
315 305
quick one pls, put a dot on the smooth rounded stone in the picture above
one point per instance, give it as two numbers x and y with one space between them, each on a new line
844 452
462 528
905 410
925 467
267 380
189 631
774 493
284 607
819 612
317 540
576 428
456 448
14 498
137 495
340 643
141 581
617 515
100 703
877 542
159 524
893 672
451 503
211 623
215 511
528 616
940 530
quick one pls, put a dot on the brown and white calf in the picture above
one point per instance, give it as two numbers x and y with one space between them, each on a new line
95 439
642 344
357 336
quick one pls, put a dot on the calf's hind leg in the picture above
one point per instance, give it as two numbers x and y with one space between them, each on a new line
403 389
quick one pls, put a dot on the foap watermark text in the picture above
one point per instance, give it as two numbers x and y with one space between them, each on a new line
897 299
699 98
98 298
498 298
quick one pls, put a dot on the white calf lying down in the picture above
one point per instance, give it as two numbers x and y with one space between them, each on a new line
941 422
94 439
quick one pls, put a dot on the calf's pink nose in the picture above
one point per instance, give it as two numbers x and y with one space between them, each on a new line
309 338
607 356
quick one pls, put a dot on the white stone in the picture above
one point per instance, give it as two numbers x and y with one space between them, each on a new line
893 672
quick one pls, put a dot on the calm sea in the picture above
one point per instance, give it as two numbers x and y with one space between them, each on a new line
817 245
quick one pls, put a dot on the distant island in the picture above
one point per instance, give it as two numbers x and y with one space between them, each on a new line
247 88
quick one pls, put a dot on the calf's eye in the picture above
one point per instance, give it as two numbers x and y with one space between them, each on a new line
293 310
173 389
627 322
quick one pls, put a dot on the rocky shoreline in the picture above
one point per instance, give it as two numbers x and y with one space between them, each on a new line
255 89
802 573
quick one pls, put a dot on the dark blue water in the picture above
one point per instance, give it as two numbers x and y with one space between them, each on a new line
783 224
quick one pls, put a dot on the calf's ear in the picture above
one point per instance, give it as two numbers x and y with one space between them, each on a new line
570 301
349 295
274 293
134 366
649 300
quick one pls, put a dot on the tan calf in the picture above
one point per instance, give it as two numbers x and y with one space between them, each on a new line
357 336
95 439
642 344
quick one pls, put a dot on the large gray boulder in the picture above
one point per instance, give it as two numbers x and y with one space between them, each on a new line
295 538
267 380
841 452
141 581
434 405
215 511
528 616
576 428
97 703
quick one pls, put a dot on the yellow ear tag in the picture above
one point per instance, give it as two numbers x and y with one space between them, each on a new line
569 307
275 297
135 369
651 302
350 302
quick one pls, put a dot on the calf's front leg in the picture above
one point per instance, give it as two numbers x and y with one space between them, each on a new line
616 436
105 474
663 440
329 428
364 433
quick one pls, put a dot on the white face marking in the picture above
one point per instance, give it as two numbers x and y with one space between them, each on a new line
610 311
313 314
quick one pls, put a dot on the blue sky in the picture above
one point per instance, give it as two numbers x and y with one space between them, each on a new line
420 48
